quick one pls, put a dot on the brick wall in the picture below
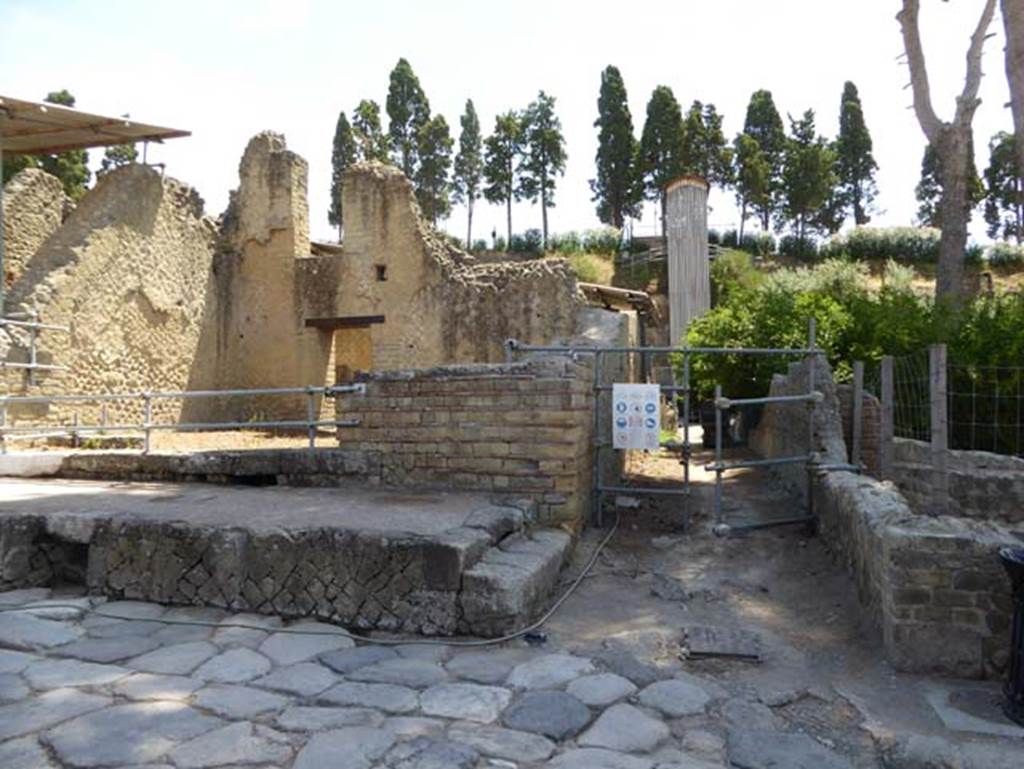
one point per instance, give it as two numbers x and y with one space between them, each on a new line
520 430
871 427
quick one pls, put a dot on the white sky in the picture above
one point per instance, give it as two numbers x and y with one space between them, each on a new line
226 70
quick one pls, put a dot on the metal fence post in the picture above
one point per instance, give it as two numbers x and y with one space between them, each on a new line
888 427
598 494
857 413
3 424
937 394
311 416
718 455
687 513
812 364
32 332
147 421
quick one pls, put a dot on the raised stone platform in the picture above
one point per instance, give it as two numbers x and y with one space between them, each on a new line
433 563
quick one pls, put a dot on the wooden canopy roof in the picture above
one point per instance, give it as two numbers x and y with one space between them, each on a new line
32 127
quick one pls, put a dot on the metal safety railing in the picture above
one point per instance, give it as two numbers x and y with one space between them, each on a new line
33 326
683 390
146 400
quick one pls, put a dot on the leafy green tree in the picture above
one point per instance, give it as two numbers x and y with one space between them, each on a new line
617 188
117 156
15 164
72 166
1004 190
371 143
469 166
501 159
543 156
808 174
929 188
855 163
661 145
435 162
764 125
408 111
752 177
343 154
705 152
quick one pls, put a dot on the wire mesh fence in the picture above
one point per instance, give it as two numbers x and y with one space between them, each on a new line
984 404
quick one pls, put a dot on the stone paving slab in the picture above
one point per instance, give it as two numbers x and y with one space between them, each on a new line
424 706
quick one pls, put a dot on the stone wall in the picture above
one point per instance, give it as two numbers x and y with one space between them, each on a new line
34 206
982 485
516 430
128 272
932 587
783 428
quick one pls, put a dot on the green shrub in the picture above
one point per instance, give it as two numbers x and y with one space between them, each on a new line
590 268
806 248
565 243
903 244
714 237
479 245
530 242
1000 254
605 241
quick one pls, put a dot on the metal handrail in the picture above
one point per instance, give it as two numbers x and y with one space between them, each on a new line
147 425
34 327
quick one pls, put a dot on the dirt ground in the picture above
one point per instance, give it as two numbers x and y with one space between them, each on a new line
822 672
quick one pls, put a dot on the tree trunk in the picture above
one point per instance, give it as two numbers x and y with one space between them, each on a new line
544 218
954 208
664 206
743 220
469 224
508 211
952 142
1013 20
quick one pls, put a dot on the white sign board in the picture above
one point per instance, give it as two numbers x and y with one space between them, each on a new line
636 416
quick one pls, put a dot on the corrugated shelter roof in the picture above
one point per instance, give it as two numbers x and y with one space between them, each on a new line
32 127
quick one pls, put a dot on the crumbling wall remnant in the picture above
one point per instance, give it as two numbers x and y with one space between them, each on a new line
34 207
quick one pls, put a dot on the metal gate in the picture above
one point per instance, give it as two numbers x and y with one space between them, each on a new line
681 394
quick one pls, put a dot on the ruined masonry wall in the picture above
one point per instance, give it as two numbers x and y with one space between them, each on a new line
982 485
519 430
34 204
933 587
128 273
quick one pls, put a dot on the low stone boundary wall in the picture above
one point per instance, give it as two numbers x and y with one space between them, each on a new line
520 430
982 485
933 586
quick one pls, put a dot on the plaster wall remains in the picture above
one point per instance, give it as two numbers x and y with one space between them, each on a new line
128 273
34 207
159 298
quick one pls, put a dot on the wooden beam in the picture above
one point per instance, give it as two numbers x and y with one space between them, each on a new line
348 321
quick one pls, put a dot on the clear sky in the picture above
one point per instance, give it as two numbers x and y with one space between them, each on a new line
226 70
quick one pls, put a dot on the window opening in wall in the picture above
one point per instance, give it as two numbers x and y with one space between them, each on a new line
382 272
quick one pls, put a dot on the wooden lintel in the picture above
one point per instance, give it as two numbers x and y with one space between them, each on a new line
348 321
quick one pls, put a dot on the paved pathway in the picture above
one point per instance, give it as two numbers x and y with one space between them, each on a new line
80 690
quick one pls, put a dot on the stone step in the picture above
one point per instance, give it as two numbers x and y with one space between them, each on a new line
512 583
435 563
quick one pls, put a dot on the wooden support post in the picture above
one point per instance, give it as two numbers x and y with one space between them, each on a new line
939 428
888 431
857 416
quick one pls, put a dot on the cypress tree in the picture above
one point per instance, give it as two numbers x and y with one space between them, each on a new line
469 166
435 161
370 140
543 156
855 164
343 154
764 126
661 145
501 158
408 111
617 188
